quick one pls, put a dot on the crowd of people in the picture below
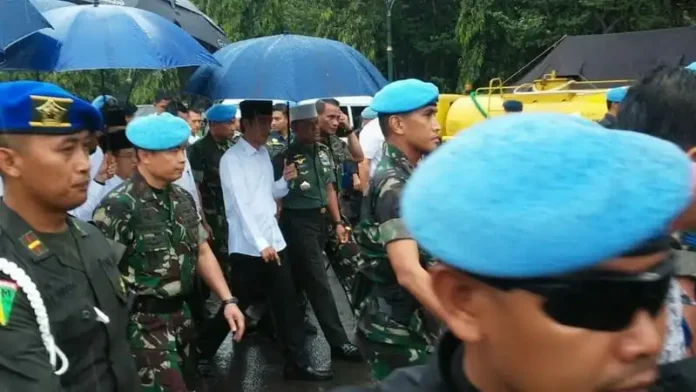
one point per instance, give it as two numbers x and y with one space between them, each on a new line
533 252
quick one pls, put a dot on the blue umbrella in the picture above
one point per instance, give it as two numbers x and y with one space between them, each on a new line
47 5
291 67
18 19
106 37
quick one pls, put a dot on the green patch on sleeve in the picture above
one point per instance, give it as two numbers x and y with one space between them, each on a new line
8 293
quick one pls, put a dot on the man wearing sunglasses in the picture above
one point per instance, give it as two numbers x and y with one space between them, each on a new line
556 260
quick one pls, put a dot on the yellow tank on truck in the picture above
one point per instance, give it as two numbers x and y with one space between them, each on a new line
551 94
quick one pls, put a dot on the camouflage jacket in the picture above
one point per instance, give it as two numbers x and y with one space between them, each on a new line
387 312
277 144
161 232
205 156
339 154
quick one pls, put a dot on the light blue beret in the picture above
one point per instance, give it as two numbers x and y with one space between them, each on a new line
691 67
28 107
158 132
536 195
221 113
404 96
368 114
617 94
100 100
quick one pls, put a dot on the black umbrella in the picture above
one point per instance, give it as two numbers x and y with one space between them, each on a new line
181 12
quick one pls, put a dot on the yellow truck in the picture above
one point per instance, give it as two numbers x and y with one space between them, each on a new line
550 94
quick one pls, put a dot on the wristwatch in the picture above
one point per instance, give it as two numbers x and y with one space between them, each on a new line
230 301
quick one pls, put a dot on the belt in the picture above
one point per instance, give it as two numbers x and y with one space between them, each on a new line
321 210
150 304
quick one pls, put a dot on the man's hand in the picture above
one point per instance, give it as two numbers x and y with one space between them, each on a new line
107 169
209 229
343 121
235 318
289 171
357 184
269 254
341 233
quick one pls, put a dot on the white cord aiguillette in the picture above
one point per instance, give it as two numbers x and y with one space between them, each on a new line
23 280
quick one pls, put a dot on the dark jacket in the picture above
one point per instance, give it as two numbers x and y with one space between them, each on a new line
443 374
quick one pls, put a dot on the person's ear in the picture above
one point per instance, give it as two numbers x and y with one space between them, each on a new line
11 162
396 124
459 295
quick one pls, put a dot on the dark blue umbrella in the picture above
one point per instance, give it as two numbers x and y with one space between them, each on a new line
18 19
291 67
47 5
106 37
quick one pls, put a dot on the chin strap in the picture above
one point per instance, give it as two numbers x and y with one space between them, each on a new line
23 280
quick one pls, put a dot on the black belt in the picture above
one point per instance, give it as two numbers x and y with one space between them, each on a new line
149 304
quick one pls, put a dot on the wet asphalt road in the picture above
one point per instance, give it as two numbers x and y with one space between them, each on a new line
255 365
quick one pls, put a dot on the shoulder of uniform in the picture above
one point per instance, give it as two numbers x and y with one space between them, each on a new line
183 193
118 201
323 147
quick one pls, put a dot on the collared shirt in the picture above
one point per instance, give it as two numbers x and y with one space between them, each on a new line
250 196
94 191
188 182
371 142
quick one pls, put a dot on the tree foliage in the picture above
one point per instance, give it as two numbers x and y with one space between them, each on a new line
449 42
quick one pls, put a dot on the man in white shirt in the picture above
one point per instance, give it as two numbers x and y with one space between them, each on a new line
371 141
255 241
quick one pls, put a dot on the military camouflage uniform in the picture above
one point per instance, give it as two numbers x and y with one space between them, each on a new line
205 156
277 144
344 258
162 233
395 330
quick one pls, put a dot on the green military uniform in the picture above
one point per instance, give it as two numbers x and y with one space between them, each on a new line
344 258
162 233
204 156
392 323
304 221
75 272
277 143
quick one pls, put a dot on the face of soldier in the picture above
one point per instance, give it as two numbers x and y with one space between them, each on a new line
420 128
222 130
194 121
125 162
513 341
279 122
51 170
307 131
165 166
161 106
329 119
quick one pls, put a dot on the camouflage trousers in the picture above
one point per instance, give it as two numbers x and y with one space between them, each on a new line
344 259
383 358
160 345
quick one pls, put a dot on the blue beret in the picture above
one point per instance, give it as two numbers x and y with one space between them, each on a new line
513 106
617 94
536 195
404 96
368 114
158 133
691 67
221 113
44 108
99 101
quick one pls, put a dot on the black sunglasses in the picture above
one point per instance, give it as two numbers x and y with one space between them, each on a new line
599 300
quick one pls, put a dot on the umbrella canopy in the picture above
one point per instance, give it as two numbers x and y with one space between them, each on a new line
181 12
18 19
106 37
47 5
291 67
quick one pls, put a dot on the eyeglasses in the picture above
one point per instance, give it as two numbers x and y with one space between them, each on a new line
599 300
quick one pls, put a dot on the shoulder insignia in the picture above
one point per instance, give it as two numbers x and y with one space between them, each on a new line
34 244
8 291
300 160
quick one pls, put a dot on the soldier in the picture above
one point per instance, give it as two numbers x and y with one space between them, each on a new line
556 261
45 168
205 156
344 256
392 290
614 98
166 245
280 135
308 209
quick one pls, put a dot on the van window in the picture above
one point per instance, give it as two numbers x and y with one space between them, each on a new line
356 110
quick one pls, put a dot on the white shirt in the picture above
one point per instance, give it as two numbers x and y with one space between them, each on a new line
94 191
95 160
250 196
371 141
187 182
193 139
